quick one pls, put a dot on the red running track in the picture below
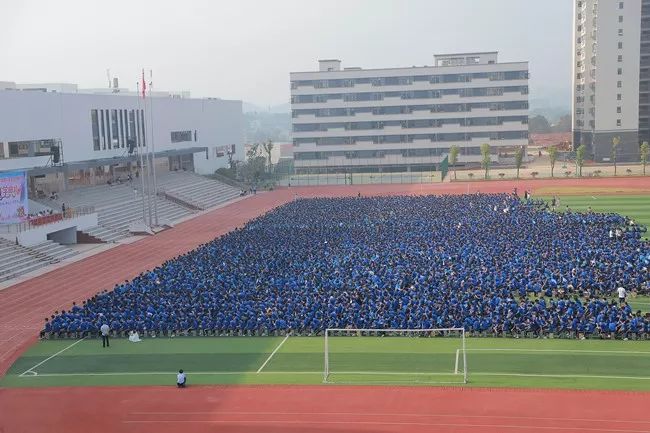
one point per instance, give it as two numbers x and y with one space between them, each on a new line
23 307
317 409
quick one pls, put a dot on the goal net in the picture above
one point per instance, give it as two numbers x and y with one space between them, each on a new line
427 356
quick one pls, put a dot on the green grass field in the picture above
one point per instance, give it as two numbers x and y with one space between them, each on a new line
633 206
587 364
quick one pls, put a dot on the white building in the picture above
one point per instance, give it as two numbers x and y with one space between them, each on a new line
611 73
101 132
400 119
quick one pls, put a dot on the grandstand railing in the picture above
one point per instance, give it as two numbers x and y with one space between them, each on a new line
40 221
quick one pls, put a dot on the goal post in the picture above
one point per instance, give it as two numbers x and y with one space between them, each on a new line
427 356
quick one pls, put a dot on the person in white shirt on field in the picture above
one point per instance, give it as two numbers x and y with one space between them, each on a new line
622 294
105 330
181 379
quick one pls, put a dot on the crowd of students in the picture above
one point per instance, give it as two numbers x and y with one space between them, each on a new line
493 264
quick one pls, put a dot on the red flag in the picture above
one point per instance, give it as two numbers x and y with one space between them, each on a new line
144 85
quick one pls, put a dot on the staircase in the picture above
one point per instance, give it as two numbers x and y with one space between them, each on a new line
16 260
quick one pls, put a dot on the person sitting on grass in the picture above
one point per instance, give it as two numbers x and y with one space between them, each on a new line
181 379
134 337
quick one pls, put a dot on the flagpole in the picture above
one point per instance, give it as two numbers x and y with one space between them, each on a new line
140 145
153 151
146 143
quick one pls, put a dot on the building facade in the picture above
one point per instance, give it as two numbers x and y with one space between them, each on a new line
403 119
59 131
610 76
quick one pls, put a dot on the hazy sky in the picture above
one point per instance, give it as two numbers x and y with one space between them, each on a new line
245 49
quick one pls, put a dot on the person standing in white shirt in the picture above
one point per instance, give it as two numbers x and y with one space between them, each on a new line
181 379
622 294
105 330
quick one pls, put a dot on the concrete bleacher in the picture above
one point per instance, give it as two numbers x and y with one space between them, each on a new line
198 191
16 260
119 205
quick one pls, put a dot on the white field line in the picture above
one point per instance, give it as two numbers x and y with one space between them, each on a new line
617 352
382 373
272 353
384 423
564 376
167 373
373 414
31 370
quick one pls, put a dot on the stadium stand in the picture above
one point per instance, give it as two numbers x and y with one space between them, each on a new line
198 191
492 264
16 260
120 204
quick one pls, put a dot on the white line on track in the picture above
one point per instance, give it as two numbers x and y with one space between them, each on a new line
385 423
388 414
273 353
31 370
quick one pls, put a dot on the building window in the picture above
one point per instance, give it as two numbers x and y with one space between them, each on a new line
115 134
618 96
619 71
620 5
620 32
143 129
620 58
94 121
619 84
620 18
101 117
181 136
108 128
131 129
618 122
618 109
620 45
122 122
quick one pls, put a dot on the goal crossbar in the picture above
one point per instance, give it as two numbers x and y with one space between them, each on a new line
460 354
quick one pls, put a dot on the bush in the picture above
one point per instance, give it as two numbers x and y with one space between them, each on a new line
534 174
502 175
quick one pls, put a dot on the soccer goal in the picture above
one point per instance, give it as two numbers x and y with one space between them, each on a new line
426 356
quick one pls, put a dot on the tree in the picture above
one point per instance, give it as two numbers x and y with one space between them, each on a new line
253 169
539 125
552 157
645 151
580 158
453 157
252 151
268 148
616 141
519 159
486 158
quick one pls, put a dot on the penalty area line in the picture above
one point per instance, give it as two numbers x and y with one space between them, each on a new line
273 353
30 371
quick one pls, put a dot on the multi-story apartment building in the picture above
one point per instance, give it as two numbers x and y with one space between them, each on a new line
400 119
611 75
